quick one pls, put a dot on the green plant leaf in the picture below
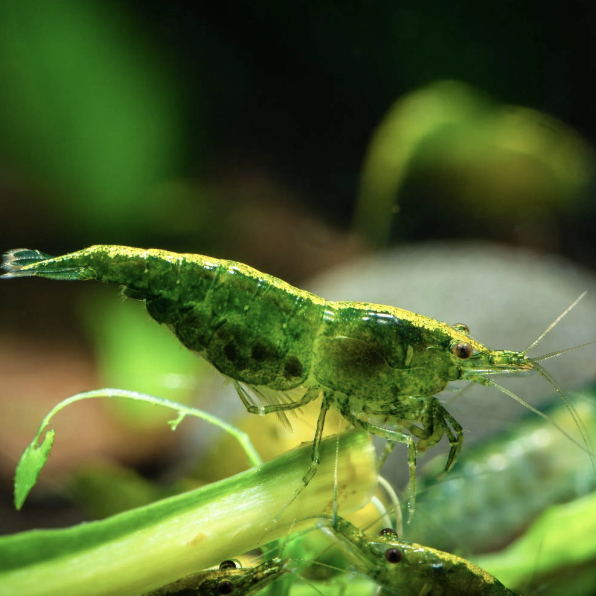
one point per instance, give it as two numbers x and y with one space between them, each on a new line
147 547
30 465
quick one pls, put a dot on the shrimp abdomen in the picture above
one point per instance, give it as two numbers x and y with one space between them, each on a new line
251 326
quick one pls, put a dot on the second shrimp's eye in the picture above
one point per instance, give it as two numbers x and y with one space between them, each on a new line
393 555
386 531
462 327
462 350
225 587
228 565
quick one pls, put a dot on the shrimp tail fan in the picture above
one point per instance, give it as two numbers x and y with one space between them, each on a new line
25 262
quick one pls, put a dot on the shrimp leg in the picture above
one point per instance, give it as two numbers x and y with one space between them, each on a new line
393 437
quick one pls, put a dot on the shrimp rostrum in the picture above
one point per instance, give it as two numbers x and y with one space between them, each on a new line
283 347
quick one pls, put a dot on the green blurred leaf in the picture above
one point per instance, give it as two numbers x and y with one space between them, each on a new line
133 353
86 104
560 538
109 489
475 155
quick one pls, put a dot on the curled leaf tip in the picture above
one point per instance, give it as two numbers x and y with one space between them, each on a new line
30 465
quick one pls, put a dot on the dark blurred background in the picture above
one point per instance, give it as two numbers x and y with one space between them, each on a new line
290 136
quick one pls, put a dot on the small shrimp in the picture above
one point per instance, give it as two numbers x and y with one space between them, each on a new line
375 364
229 578
408 569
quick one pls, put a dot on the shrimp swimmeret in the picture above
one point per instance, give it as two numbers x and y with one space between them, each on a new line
287 347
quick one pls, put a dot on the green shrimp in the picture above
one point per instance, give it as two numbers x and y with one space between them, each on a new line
408 569
229 578
285 346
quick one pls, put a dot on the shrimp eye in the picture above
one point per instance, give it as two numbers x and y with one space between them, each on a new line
462 350
227 564
386 531
462 327
393 555
225 587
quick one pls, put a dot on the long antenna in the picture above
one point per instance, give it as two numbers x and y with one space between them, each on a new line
550 327
559 352
490 383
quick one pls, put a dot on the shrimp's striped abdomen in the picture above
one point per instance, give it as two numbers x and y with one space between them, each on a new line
253 327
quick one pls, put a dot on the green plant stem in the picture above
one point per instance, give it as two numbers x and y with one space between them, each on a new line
144 548
182 410
35 455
